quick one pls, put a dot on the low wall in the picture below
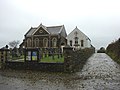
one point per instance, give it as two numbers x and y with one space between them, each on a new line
54 67
75 60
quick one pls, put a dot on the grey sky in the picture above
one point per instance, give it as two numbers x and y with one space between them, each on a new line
98 19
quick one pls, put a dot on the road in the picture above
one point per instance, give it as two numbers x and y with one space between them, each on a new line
99 73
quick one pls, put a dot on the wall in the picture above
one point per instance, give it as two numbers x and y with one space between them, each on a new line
52 67
75 60
81 36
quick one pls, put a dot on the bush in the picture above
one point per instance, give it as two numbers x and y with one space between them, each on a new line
113 50
75 60
101 50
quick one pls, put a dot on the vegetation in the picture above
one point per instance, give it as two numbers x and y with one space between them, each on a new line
17 57
14 43
75 60
101 50
113 50
51 59
47 59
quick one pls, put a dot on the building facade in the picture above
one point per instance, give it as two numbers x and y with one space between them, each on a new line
78 39
45 37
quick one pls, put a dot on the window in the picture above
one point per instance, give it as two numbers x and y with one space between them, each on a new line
82 43
36 42
45 42
54 42
76 40
41 31
29 43
70 42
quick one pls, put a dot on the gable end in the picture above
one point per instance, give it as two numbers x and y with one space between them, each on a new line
41 31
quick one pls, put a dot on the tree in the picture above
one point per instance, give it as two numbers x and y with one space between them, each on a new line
13 44
101 50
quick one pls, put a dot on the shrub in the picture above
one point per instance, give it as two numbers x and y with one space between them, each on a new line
101 50
75 60
113 50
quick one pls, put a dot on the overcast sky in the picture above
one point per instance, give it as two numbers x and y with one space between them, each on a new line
98 19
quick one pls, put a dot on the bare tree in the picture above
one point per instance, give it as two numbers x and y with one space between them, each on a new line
13 44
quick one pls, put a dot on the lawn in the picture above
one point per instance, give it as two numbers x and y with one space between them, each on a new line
51 60
16 58
48 59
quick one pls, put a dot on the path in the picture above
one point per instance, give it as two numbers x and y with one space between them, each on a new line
100 73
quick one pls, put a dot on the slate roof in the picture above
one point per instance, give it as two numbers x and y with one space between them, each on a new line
53 30
30 32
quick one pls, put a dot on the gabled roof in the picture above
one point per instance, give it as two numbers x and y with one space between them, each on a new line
30 32
44 27
80 32
53 30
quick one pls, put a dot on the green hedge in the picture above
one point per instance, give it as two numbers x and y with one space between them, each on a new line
75 60
113 50
101 50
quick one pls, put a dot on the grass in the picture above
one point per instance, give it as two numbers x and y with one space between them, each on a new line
51 60
16 58
48 59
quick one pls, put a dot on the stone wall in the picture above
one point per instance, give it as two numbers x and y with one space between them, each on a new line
52 67
75 60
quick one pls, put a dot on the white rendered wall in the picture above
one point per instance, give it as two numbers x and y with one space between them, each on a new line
81 36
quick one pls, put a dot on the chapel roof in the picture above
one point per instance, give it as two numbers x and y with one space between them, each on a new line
76 29
53 30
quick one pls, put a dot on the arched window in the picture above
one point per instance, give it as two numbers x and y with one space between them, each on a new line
45 42
54 42
29 43
82 43
36 42
70 42
76 40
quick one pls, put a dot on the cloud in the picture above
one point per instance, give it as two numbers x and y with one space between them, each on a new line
97 19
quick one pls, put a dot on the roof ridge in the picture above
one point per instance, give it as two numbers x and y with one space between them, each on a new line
55 26
33 27
82 32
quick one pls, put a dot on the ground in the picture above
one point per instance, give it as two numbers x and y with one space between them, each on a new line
99 73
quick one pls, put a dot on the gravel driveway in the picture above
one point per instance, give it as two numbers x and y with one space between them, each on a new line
100 73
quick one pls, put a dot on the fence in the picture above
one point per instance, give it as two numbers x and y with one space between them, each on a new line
34 59
34 54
